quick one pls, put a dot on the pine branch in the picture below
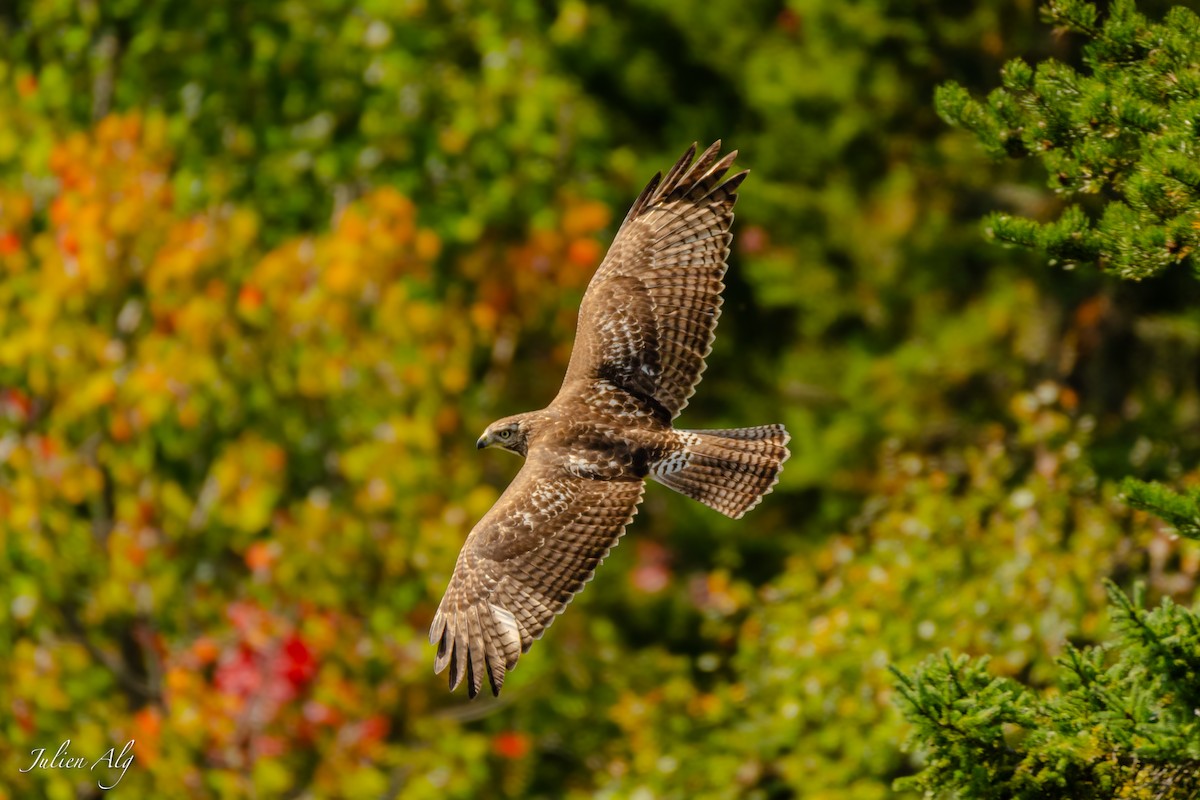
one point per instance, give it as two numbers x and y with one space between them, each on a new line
1124 126
1121 730
1180 511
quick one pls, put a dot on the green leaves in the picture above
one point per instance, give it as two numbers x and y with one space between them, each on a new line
1123 129
1122 722
1180 510
267 268
962 712
1118 139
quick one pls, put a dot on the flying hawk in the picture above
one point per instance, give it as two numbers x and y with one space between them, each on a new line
645 326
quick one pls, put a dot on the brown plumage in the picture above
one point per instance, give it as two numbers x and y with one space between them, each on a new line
645 327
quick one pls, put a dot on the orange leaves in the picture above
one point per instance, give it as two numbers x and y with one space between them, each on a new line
9 244
205 650
147 730
249 300
261 555
16 210
114 195
584 253
188 416
26 85
584 217
189 246
342 306
511 744
374 242
544 272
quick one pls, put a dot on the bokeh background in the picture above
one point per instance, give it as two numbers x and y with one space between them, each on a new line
268 268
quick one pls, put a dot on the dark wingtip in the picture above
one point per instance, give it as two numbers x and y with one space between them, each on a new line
645 196
492 680
453 675
472 684
730 186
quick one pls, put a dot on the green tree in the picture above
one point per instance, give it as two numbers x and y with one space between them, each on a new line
267 268
1122 725
1118 137
1120 141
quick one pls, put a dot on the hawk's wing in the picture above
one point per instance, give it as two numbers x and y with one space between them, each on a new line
522 564
648 318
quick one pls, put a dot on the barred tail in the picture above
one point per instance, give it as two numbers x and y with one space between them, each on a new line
728 470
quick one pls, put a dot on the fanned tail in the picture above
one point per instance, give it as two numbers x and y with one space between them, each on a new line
727 470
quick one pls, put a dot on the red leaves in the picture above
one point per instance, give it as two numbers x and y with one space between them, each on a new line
511 744
373 729
297 663
271 662
240 673
268 694
15 405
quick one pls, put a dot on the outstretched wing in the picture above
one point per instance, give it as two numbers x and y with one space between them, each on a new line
522 564
650 312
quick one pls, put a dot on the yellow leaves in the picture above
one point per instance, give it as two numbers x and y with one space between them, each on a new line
271 777
479 500
365 781
36 673
484 317
148 388
190 247
94 392
183 379
248 479
342 277
453 140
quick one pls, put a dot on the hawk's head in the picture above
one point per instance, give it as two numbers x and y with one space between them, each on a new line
510 433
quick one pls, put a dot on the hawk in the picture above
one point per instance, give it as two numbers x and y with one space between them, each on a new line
645 326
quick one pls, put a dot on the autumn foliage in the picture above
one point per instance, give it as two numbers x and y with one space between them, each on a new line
268 269
232 436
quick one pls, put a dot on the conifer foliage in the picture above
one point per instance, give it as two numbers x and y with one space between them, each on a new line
1117 138
1121 140
1180 510
1120 726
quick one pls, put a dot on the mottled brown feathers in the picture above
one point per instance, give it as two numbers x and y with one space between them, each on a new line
650 313
730 471
646 324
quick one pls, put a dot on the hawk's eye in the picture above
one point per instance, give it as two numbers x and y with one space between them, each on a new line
506 434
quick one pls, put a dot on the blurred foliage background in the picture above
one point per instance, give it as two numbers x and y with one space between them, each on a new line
268 268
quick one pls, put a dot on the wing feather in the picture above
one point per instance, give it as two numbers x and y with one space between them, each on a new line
649 315
522 564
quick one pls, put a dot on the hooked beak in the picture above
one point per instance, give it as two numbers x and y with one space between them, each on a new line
482 443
